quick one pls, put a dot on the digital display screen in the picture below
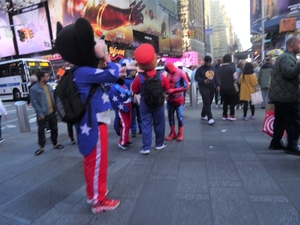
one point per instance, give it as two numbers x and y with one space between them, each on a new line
6 37
33 35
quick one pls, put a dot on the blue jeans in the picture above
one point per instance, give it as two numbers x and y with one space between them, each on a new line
179 113
135 119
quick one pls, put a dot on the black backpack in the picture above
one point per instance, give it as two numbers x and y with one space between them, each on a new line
68 104
154 95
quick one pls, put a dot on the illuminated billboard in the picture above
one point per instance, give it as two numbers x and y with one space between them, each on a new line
6 37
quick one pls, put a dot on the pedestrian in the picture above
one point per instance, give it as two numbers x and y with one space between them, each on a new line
32 80
42 100
264 80
247 81
208 80
2 112
121 101
149 115
228 76
239 70
285 94
218 94
189 80
175 99
77 45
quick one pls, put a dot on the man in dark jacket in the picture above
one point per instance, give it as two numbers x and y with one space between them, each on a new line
264 80
285 94
208 79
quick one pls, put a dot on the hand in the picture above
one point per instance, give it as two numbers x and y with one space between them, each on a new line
106 57
171 90
218 89
122 72
206 81
29 105
136 16
6 117
41 118
100 48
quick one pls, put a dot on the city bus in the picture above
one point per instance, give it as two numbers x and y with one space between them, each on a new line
15 74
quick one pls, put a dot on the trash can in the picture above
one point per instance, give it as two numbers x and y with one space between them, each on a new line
193 94
21 107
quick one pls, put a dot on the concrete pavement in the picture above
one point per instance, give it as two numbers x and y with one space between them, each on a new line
220 174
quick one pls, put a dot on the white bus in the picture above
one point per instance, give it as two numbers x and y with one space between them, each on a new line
14 76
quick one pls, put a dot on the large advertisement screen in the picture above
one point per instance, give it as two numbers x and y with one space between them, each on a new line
33 35
272 9
6 38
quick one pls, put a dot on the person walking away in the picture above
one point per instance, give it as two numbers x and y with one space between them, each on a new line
149 114
285 94
2 112
175 99
228 76
218 94
42 100
264 80
239 69
208 79
247 81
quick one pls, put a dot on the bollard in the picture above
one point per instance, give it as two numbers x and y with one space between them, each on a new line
21 107
193 94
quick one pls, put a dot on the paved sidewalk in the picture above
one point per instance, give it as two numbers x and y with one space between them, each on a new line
220 174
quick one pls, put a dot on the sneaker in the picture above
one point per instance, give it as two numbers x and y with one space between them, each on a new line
73 142
211 122
224 117
240 107
48 131
129 144
105 205
244 118
204 118
252 117
161 147
90 201
1 140
144 152
232 118
217 106
122 146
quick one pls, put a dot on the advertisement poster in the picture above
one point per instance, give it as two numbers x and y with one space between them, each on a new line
33 35
164 34
176 36
6 38
273 8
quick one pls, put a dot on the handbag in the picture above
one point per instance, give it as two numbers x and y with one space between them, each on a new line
236 87
269 121
256 98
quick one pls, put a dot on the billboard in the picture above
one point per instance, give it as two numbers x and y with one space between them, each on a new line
272 9
33 35
6 37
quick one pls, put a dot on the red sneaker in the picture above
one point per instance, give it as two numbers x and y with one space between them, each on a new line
105 205
90 201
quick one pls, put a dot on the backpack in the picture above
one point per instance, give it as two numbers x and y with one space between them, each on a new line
68 104
154 95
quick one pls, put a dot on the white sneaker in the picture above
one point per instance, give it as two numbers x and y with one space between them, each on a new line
1 140
161 147
217 106
204 118
211 122
144 152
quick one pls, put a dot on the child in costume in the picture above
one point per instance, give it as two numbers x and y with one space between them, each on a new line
76 44
146 59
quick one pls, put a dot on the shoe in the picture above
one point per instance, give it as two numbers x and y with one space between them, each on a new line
217 106
73 142
161 147
105 205
204 118
1 140
140 131
144 152
129 144
262 107
232 118
211 122
133 135
48 131
244 118
240 107
90 201
224 117
292 151
122 147
279 146
252 117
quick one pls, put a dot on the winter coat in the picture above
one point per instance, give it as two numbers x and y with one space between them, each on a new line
285 79
248 83
264 76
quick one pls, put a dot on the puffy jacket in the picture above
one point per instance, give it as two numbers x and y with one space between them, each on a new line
264 76
285 80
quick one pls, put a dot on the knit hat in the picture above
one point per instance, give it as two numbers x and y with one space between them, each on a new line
145 57
207 58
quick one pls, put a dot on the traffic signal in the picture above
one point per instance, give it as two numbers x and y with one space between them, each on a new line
193 33
22 34
189 34
30 32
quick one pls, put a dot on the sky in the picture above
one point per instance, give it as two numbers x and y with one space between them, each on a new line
239 12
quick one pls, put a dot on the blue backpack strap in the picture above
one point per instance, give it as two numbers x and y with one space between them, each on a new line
122 90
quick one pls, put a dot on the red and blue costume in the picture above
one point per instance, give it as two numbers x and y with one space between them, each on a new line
178 84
